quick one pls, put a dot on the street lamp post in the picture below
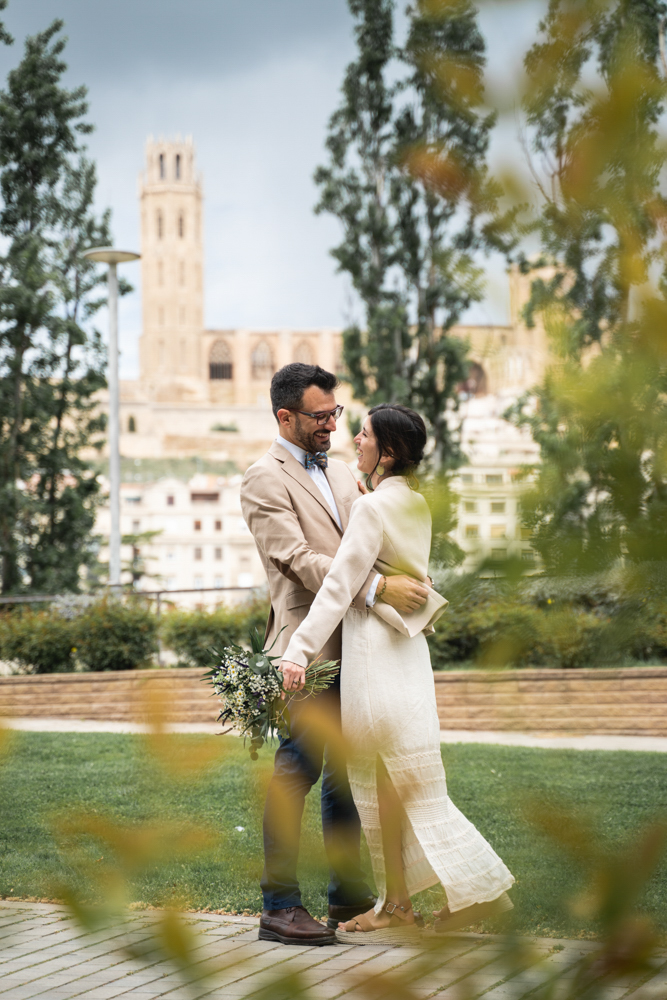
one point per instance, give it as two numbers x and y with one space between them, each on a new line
112 257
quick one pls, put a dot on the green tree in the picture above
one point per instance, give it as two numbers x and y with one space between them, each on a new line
446 205
601 413
407 179
355 187
51 367
5 37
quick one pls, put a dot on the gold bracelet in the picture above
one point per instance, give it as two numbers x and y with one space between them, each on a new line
378 597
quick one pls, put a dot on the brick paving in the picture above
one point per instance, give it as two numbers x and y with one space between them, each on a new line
45 953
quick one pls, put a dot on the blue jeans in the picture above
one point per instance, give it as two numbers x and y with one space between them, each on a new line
298 765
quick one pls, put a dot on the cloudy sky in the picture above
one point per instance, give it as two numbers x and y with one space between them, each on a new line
254 82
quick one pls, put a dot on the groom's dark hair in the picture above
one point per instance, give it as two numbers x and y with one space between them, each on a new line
289 384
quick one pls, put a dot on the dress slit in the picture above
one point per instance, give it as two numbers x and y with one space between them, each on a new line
389 711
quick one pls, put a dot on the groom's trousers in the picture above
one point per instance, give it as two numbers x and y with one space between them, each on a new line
315 743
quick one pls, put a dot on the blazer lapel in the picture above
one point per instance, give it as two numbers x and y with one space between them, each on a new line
296 471
339 481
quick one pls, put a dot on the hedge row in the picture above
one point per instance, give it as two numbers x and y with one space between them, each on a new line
617 618
193 634
110 635
621 617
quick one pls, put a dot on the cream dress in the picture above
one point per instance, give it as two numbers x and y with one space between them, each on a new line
388 700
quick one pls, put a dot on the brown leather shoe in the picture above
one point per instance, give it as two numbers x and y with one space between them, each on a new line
294 925
343 913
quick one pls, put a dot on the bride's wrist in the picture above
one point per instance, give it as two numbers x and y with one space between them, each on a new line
380 592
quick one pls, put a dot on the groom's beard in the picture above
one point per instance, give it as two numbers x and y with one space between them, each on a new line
312 441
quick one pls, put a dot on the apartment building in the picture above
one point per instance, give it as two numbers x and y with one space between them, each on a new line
201 540
491 484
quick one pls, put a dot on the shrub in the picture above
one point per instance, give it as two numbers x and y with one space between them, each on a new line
507 634
571 638
489 624
116 636
40 641
192 634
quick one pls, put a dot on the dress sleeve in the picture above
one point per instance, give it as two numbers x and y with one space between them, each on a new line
351 565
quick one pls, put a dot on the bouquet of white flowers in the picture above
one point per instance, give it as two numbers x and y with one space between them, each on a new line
250 686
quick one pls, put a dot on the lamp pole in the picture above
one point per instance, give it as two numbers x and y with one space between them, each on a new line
112 257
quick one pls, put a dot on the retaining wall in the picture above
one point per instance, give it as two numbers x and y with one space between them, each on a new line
630 701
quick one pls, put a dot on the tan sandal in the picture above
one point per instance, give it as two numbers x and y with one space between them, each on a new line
447 921
360 930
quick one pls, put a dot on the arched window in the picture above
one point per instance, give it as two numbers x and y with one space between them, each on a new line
181 225
160 354
131 425
161 162
476 384
184 354
261 361
304 353
160 315
160 226
160 273
220 361
177 169
181 272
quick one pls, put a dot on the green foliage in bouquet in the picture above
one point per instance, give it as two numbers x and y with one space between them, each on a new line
251 688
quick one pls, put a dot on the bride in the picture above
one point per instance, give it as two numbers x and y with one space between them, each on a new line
416 835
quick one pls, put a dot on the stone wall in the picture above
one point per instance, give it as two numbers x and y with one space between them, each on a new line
629 701
178 695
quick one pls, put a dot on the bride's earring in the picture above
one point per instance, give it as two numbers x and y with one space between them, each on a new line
380 470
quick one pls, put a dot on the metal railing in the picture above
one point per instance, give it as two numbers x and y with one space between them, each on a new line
159 596
45 598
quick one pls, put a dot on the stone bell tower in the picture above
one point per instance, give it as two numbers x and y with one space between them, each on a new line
172 261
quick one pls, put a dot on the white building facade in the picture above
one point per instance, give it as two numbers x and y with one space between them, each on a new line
201 539
491 483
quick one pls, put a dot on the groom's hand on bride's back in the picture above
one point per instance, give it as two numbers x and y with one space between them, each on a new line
404 593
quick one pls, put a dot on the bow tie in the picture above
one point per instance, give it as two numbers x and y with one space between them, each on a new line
318 458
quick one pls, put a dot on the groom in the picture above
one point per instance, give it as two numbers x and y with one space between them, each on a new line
297 504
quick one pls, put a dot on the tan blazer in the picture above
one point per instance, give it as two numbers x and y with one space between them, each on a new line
297 537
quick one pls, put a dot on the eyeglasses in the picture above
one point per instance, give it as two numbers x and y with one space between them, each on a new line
322 417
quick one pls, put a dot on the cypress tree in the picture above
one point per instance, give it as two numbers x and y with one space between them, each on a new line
355 187
445 202
51 367
407 180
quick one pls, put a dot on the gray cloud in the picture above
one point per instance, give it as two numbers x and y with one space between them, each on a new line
254 82
200 38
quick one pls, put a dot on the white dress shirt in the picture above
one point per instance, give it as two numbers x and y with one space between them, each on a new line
318 476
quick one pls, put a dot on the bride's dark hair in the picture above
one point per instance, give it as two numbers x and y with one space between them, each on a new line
401 433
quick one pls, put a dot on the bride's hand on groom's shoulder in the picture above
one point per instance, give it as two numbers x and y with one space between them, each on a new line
294 676
362 486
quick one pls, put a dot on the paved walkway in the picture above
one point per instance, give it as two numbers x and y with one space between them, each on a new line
656 744
45 953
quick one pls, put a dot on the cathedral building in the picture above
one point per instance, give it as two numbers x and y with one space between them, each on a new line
206 392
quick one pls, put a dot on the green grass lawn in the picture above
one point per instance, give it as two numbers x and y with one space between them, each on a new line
45 776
